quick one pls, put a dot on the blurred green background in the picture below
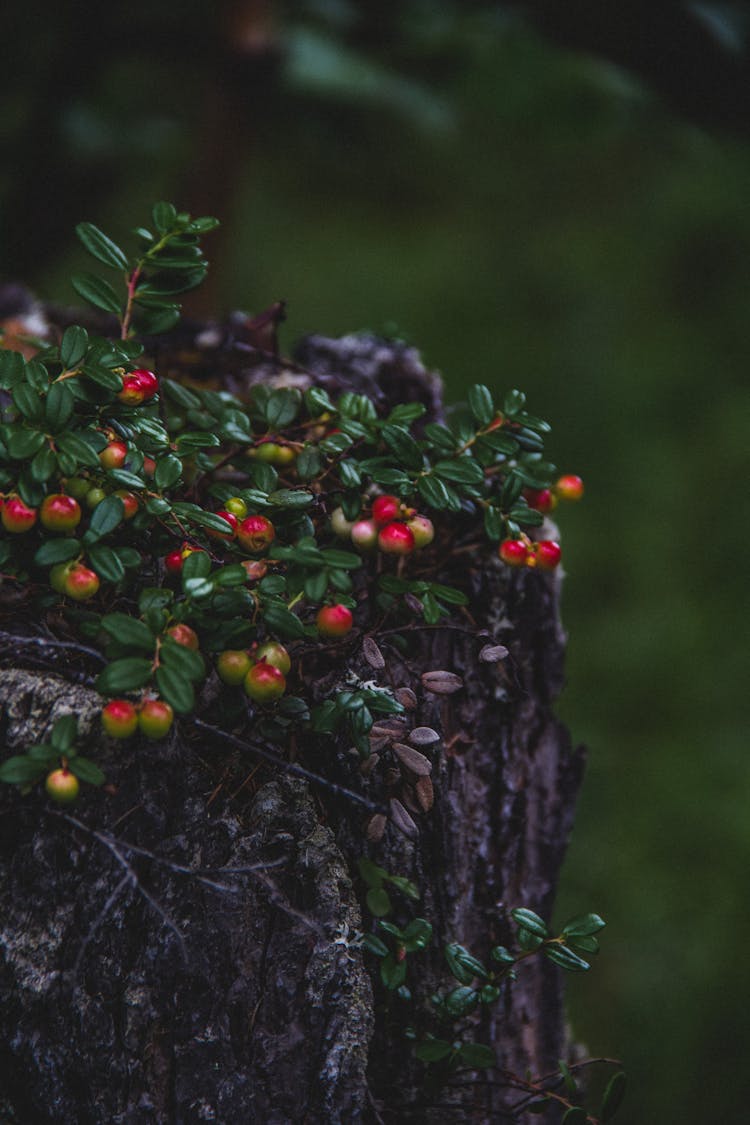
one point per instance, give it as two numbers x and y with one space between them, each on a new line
529 214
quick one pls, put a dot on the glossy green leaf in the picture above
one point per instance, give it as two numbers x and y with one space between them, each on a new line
106 563
58 406
73 346
24 444
183 660
461 1001
129 631
378 902
477 1055
43 464
128 674
530 921
613 1095
101 246
583 925
86 770
97 292
481 404
27 402
164 215
566 958
176 689
463 966
64 733
56 551
433 1050
21 770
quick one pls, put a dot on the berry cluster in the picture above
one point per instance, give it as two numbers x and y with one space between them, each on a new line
393 527
544 553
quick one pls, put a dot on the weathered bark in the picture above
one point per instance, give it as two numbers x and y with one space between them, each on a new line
172 956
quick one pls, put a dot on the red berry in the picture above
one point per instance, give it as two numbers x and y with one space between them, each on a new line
132 392
569 487
385 509
423 531
264 683
185 636
155 718
62 786
80 583
149 466
130 502
173 562
514 552
232 666
364 534
114 455
334 621
274 653
548 554
540 499
120 718
231 520
147 381
16 516
256 534
396 539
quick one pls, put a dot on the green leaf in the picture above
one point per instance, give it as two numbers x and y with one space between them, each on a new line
57 551
168 471
20 770
64 733
441 437
126 479
86 770
24 444
282 408
378 902
73 346
406 413
566 958
101 246
176 689
373 944
433 1050
481 404
464 470
44 754
164 215
202 225
183 660
613 1096
411 890
78 448
183 396
97 292
371 873
342 560
12 369
530 921
102 376
461 1001
392 972
197 440
500 953
106 517
417 935
129 631
513 402
583 925
433 492
28 402
43 464
403 445
59 406
463 965
291 498
281 620
124 675
477 1055
316 585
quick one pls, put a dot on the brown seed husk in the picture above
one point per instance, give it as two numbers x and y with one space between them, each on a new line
372 653
441 682
412 759
425 793
423 736
403 820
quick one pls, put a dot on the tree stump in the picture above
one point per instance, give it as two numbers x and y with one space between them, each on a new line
184 948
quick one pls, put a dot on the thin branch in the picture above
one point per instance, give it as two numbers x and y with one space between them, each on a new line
289 767
45 642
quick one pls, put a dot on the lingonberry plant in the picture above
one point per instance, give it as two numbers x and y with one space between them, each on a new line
189 533
116 493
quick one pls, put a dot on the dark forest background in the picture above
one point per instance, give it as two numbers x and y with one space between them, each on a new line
554 197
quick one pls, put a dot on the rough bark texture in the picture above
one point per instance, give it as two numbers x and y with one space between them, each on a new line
172 956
